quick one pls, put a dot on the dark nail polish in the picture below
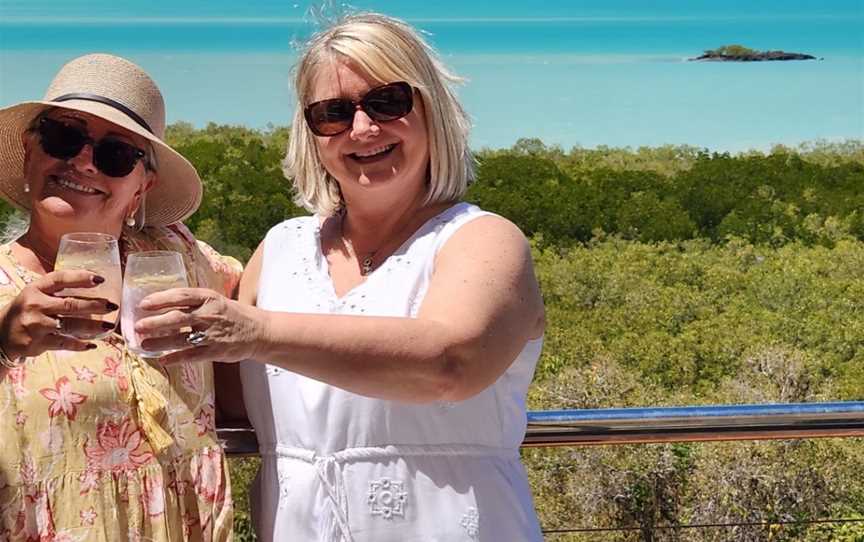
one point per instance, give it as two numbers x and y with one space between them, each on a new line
111 307
98 280
91 346
108 325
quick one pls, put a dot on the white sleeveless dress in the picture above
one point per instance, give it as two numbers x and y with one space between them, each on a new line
341 467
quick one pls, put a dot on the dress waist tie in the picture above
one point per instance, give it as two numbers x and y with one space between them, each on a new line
329 471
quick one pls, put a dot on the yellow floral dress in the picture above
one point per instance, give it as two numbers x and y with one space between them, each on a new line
79 460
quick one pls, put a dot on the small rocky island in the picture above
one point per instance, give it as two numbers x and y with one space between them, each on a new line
739 53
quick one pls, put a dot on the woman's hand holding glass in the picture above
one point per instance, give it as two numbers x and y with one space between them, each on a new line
147 273
96 252
32 323
222 329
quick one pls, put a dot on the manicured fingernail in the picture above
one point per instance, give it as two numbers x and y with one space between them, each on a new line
91 346
111 307
107 325
97 279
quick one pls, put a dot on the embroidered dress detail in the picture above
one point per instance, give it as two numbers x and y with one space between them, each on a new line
471 523
341 467
284 490
387 498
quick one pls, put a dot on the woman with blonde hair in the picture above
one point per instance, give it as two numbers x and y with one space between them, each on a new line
391 336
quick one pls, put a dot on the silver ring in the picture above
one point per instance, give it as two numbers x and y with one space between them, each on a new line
59 325
196 338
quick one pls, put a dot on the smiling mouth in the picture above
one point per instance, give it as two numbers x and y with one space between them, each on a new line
73 186
373 154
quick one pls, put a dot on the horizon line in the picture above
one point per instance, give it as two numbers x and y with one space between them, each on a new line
29 20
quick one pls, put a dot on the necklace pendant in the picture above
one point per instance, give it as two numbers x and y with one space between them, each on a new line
366 265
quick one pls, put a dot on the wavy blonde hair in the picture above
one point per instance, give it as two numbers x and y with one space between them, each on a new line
386 50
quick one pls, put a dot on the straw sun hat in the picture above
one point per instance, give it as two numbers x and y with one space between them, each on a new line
122 93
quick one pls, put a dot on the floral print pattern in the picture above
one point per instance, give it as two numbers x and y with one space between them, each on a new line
119 447
113 369
88 517
63 399
204 421
75 464
16 377
84 374
35 521
208 476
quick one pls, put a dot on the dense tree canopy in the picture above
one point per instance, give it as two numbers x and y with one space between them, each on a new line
671 275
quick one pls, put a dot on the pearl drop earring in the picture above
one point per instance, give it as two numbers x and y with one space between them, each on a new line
26 188
130 221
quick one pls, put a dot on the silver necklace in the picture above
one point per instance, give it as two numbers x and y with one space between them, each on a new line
367 264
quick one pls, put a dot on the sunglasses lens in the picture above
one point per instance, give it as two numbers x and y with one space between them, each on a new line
389 102
115 158
382 104
112 157
60 140
330 117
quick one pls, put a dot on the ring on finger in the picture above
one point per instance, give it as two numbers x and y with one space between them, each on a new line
196 338
58 325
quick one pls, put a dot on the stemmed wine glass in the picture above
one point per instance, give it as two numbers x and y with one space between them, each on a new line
147 273
96 252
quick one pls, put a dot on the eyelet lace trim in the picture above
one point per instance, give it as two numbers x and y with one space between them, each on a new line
471 523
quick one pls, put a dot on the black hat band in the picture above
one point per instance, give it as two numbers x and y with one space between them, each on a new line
107 101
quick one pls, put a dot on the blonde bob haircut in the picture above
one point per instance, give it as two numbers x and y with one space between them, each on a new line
386 50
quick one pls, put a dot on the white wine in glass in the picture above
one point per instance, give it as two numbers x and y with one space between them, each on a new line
148 273
96 252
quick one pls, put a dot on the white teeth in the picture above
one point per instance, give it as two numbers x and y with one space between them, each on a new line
75 186
374 151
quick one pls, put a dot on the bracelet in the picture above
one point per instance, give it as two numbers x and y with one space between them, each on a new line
9 362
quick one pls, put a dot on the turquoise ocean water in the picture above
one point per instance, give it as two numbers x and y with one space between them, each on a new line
618 81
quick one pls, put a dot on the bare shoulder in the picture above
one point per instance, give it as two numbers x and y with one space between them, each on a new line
487 264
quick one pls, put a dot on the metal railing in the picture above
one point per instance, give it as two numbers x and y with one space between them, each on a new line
662 424
658 424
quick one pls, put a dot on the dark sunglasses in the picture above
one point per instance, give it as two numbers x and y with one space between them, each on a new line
383 104
113 157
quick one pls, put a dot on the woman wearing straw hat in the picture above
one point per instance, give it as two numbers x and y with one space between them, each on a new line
396 332
97 443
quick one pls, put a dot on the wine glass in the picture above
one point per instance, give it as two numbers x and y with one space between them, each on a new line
147 273
96 252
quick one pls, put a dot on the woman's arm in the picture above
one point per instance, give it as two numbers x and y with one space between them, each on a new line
482 305
224 273
248 291
227 375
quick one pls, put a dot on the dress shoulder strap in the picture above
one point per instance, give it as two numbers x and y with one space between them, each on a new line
290 247
291 240
454 218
